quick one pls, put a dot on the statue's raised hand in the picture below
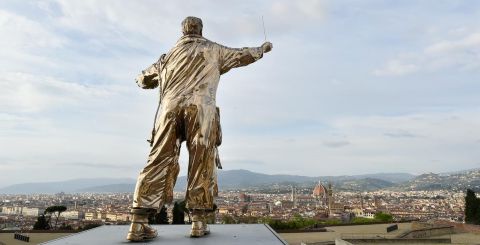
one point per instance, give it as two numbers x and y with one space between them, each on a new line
267 47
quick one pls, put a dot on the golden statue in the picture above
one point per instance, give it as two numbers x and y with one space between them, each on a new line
188 77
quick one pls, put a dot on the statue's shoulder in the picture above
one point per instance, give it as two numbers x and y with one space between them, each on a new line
194 38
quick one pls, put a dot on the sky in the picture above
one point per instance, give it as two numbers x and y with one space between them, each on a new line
350 87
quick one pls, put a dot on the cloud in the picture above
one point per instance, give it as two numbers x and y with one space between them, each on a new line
336 143
32 35
400 134
94 165
398 67
402 143
5 161
238 162
460 53
23 92
149 21
67 70
465 44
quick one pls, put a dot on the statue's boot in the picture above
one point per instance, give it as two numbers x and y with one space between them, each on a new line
139 229
199 225
206 228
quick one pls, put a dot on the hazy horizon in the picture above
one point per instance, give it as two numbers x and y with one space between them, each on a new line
350 86
180 175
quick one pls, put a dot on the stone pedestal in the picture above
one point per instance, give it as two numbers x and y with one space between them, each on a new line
250 234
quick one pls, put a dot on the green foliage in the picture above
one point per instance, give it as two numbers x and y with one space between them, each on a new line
41 224
297 222
53 209
210 217
362 220
178 214
160 217
245 209
472 208
183 206
66 227
330 222
378 218
247 220
227 219
383 217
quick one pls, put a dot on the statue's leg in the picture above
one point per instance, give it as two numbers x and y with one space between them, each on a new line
156 181
201 137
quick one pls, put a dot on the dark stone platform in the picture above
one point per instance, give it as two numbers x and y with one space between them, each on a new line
251 234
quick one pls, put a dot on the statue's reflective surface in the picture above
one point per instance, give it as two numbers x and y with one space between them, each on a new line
187 77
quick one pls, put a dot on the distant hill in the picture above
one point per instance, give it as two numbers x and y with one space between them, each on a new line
457 181
243 179
389 177
229 179
233 179
367 184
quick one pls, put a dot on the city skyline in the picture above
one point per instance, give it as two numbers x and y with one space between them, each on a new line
349 88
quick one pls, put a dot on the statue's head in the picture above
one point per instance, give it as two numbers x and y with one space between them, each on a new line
192 26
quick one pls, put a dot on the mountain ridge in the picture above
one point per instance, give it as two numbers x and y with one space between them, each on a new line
228 179
245 179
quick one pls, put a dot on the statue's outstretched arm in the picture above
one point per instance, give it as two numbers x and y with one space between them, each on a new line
237 57
149 78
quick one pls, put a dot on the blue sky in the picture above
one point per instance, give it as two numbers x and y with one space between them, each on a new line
351 87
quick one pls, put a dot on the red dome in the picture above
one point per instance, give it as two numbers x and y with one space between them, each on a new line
319 190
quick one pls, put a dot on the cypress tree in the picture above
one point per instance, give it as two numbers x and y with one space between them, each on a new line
477 214
472 208
178 214
159 218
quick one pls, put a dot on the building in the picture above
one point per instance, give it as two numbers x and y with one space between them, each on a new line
325 200
34 212
73 215
11 210
320 193
90 216
111 217
363 213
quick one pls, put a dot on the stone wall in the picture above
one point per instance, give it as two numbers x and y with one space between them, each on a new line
460 227
426 232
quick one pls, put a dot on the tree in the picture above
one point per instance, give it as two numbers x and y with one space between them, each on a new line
227 219
178 214
477 214
383 217
55 211
160 217
41 224
472 208
245 209
65 227
183 206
